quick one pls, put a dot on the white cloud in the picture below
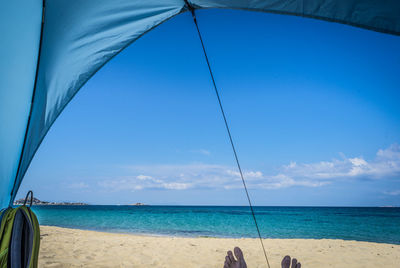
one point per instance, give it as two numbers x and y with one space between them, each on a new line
202 151
143 177
172 177
206 176
176 186
78 185
395 192
199 176
284 181
386 163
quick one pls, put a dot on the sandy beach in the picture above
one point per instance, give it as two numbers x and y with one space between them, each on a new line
62 247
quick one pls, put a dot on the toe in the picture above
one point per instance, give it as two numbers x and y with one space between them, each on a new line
239 256
230 255
298 265
228 260
286 262
226 264
238 253
294 263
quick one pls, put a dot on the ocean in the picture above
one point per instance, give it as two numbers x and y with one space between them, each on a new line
350 223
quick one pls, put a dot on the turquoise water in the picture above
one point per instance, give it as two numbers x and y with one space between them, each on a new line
363 224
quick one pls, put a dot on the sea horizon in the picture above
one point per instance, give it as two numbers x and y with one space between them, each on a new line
59 203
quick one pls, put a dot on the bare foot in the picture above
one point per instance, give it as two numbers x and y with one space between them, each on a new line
286 263
231 262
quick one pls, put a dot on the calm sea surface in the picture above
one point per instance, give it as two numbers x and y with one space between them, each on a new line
363 224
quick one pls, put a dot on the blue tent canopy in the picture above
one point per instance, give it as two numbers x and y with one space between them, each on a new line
50 48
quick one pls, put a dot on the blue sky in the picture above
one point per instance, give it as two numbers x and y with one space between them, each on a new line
313 109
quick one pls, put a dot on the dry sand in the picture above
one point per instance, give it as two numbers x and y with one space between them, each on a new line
61 247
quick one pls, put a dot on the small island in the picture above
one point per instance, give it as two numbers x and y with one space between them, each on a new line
38 202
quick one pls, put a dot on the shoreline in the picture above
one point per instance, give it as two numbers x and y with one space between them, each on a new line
65 247
158 205
205 236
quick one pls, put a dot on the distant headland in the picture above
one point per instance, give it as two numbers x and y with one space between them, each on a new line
37 202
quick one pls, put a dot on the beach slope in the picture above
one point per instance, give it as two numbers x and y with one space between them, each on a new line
62 247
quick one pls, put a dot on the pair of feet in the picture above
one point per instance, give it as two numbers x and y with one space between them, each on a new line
286 263
231 262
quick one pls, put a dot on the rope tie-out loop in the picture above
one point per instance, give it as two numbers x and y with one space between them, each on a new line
191 9
26 198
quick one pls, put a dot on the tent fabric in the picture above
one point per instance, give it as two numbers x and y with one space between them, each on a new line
382 16
80 36
20 22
